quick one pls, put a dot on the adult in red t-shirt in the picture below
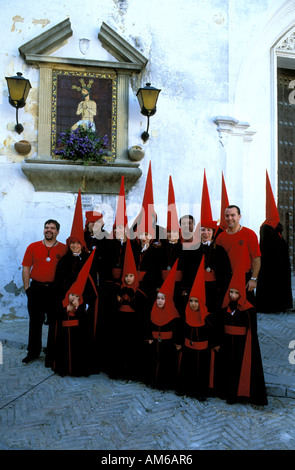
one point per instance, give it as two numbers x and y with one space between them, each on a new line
39 265
241 244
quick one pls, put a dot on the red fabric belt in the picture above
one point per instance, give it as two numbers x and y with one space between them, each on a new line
70 323
165 273
116 273
126 308
235 330
162 334
195 344
209 276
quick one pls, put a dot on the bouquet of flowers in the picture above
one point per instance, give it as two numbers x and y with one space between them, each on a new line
82 143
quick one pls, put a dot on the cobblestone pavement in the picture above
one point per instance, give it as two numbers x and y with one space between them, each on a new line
42 411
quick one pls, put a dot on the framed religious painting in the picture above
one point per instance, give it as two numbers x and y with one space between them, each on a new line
86 99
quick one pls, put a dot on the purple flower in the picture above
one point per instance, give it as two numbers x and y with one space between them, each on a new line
82 143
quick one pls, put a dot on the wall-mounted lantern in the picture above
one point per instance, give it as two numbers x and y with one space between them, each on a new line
147 98
18 88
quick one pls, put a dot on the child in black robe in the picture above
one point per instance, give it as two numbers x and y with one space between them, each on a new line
195 365
163 338
126 330
240 371
73 347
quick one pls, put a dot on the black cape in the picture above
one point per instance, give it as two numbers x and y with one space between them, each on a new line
274 290
230 357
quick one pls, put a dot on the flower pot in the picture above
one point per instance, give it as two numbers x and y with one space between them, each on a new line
23 147
136 153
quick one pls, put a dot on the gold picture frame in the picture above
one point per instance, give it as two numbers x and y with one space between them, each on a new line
84 98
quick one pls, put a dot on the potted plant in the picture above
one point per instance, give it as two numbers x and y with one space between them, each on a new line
82 143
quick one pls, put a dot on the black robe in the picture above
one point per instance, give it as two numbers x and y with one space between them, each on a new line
73 347
148 265
217 265
189 261
161 356
109 265
115 256
194 370
91 241
80 337
229 360
126 335
102 267
170 253
274 289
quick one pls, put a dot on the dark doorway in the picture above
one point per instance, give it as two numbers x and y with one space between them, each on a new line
286 155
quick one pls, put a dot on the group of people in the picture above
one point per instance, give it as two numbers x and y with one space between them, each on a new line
173 307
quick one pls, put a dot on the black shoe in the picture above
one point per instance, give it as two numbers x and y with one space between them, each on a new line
201 398
230 401
28 359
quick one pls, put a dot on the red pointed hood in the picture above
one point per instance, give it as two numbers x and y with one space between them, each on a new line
79 285
197 318
224 204
206 212
147 216
129 267
168 285
271 211
238 282
77 232
92 216
172 217
121 213
162 316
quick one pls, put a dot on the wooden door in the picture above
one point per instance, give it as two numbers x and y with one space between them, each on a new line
286 155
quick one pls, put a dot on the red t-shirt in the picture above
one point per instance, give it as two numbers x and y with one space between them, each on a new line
35 258
236 244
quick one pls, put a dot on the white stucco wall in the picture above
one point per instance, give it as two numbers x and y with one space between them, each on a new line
210 58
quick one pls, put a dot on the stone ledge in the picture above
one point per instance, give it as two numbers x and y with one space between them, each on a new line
69 177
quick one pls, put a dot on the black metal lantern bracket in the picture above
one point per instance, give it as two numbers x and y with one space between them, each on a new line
147 98
18 88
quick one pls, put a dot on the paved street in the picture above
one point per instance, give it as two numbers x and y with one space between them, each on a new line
42 411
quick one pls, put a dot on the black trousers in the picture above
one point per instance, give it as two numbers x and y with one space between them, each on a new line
41 301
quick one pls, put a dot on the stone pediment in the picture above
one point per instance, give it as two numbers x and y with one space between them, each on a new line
38 50
59 175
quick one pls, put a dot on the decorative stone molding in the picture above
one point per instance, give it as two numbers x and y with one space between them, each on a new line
66 177
36 51
285 50
43 171
227 125
47 42
119 48
288 43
